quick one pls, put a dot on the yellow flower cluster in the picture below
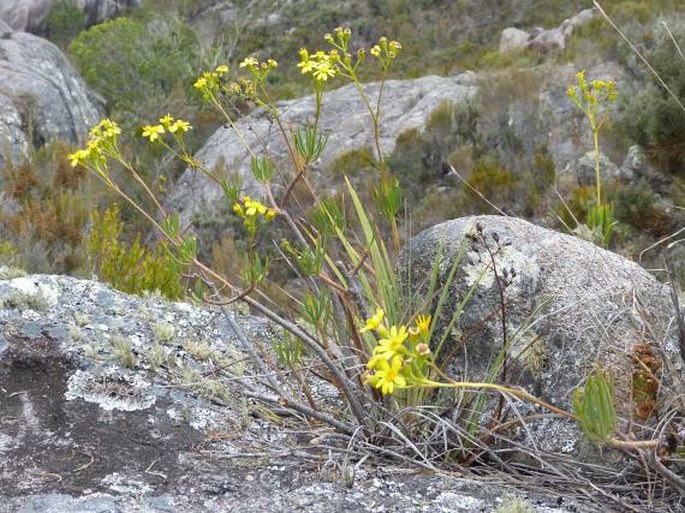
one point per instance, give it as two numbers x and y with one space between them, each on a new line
166 124
320 65
394 363
254 213
251 208
208 82
101 137
597 91
386 50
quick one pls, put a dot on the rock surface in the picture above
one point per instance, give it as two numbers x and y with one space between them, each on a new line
32 15
42 98
568 306
25 15
544 40
82 432
98 11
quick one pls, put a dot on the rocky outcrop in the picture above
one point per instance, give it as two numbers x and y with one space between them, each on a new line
344 119
119 403
568 306
544 40
25 15
637 165
32 15
97 11
41 95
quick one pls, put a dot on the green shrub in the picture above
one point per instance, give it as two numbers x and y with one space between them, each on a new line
131 268
64 22
135 63
47 210
652 118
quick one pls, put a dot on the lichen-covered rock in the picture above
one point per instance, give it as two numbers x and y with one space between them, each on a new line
568 306
42 98
108 404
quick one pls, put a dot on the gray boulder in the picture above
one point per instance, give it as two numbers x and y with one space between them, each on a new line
637 165
513 39
32 15
585 170
407 104
119 403
569 306
544 40
41 95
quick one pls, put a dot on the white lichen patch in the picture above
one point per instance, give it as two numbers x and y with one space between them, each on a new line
111 391
7 443
459 502
197 417
126 485
41 293
480 271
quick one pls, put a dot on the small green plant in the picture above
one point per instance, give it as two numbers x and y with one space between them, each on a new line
199 349
594 407
123 353
515 505
163 331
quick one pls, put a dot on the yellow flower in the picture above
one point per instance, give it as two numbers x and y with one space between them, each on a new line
372 323
181 125
249 62
200 83
152 132
374 361
393 344
109 128
222 70
387 376
166 121
375 51
253 207
423 323
78 157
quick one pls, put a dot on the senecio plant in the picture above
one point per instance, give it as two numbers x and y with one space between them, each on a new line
355 324
594 99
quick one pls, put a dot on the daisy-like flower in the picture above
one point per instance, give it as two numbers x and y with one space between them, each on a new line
249 62
423 323
372 323
181 125
152 132
393 344
166 121
388 376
